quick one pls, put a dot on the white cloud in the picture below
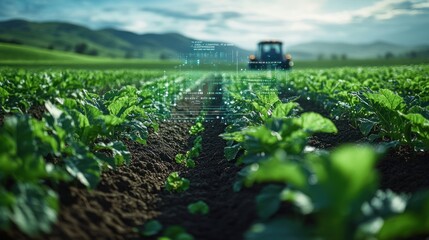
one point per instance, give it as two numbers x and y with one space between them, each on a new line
421 5
249 20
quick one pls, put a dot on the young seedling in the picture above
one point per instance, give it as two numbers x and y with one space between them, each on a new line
199 207
150 228
175 183
196 129
184 159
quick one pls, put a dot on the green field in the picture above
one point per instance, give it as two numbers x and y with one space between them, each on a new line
36 58
314 153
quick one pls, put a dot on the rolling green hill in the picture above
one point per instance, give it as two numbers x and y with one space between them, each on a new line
61 36
113 43
12 52
12 55
109 43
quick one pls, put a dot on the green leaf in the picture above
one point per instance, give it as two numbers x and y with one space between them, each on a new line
387 99
383 205
299 200
231 152
85 168
21 130
414 221
234 136
419 125
180 158
345 180
199 207
118 106
92 113
185 160
400 226
268 99
177 233
261 139
366 126
284 109
190 163
4 94
194 152
53 110
111 120
268 201
120 153
278 229
355 164
276 169
196 129
151 228
135 130
21 150
314 122
175 183
35 209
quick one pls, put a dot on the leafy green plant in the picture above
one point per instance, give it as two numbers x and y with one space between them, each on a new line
153 228
333 194
176 233
84 155
184 159
196 148
196 129
395 120
420 127
194 152
288 133
150 228
337 191
83 117
25 201
175 183
386 105
199 207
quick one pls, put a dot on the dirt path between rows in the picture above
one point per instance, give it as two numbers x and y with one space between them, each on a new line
230 214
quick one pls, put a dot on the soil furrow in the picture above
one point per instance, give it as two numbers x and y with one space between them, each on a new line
231 213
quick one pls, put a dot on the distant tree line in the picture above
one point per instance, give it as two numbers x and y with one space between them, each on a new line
83 48
79 48
388 55
11 41
333 56
410 55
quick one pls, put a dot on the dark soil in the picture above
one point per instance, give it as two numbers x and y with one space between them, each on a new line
211 181
126 197
404 170
35 111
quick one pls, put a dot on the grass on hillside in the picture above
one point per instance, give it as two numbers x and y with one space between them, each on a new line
30 57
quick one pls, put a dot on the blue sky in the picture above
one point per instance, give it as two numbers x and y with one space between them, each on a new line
243 22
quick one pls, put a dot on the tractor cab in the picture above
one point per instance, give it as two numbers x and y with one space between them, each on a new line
269 55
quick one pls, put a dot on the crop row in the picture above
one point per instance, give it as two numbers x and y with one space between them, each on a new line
310 193
386 104
85 119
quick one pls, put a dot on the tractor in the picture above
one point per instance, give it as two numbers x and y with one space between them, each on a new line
269 56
